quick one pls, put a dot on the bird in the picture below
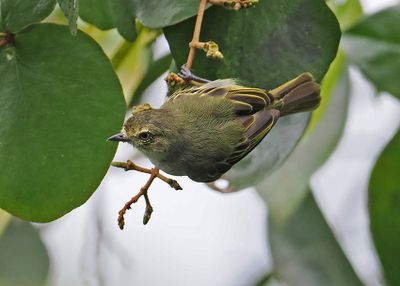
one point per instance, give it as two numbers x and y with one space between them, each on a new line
202 130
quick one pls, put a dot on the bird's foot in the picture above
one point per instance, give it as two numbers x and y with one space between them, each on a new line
188 76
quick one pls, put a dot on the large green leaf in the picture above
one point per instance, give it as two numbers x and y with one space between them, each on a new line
286 187
264 47
17 14
107 14
97 12
24 259
384 198
159 14
305 251
59 101
374 46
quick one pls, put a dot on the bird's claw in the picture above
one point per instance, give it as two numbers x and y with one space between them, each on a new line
185 74
188 76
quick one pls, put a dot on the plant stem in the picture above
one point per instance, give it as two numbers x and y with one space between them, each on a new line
196 33
154 173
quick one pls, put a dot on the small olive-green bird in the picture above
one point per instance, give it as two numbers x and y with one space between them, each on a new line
202 131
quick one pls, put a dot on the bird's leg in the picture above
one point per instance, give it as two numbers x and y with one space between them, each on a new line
184 79
188 76
154 173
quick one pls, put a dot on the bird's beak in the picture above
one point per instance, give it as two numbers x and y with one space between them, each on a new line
118 137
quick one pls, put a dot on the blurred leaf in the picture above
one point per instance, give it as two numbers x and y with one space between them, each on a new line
59 101
287 186
159 14
303 247
374 46
155 70
108 14
348 13
264 47
134 60
305 251
24 259
384 199
5 219
70 9
17 14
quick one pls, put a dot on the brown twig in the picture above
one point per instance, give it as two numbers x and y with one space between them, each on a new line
211 48
154 173
196 33
7 38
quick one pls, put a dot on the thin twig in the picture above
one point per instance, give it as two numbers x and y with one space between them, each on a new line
7 38
130 166
154 173
196 33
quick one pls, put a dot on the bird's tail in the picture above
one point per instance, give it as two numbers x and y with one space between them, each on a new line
298 95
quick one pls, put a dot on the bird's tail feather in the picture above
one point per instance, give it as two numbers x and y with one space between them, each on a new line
298 95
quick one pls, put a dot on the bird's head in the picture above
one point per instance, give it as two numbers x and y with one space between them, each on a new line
147 130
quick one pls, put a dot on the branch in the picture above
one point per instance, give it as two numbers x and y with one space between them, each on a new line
211 48
154 173
196 33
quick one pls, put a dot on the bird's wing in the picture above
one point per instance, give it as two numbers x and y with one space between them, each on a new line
246 100
257 126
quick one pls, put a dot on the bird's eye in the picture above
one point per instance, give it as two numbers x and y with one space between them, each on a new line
144 135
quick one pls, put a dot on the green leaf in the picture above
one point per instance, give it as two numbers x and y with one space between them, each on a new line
374 46
264 47
108 14
24 259
348 13
17 14
159 14
70 9
305 251
59 101
97 12
384 198
287 186
5 219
